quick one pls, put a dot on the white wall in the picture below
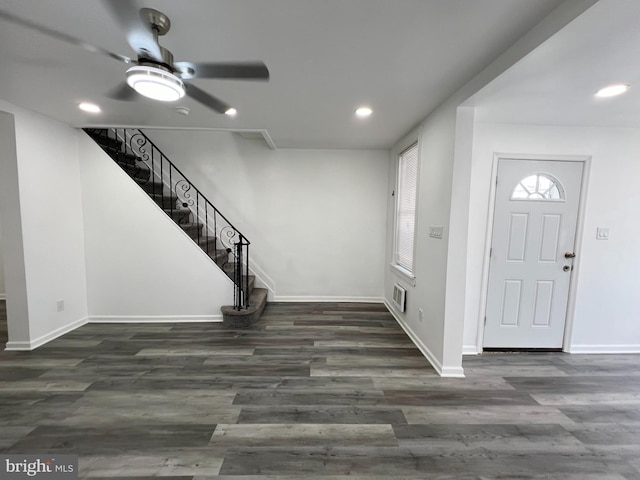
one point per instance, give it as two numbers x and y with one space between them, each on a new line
2 289
435 151
445 159
140 265
315 218
13 252
607 301
43 206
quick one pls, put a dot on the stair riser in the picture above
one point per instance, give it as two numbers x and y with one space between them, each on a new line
219 257
232 318
128 159
152 187
179 216
193 232
228 268
136 171
166 202
106 142
208 243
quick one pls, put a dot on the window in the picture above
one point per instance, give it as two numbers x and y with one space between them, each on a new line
538 187
406 204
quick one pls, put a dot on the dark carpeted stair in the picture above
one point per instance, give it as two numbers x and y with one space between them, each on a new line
141 174
233 318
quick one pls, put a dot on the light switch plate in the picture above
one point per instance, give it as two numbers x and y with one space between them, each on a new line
602 233
435 231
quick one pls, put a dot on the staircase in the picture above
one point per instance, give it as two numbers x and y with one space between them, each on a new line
192 212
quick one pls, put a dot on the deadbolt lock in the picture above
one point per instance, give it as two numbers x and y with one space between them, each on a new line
566 268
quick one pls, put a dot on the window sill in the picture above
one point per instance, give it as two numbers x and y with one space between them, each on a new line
404 274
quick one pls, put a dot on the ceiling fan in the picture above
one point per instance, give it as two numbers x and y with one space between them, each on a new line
154 74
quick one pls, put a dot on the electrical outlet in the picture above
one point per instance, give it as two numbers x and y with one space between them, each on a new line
420 314
60 305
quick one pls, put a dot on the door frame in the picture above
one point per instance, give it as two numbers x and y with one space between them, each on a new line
573 280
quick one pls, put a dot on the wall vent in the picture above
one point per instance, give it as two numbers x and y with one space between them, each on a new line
399 297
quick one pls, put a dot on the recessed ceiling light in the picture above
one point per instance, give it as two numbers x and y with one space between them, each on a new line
231 112
155 83
612 90
89 107
363 112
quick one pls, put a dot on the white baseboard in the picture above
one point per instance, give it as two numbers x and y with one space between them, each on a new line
470 350
33 344
3 296
322 299
155 318
604 349
457 372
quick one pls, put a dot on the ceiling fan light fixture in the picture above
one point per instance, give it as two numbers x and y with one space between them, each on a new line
232 112
155 83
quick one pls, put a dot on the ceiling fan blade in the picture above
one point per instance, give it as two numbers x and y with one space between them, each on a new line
139 35
206 99
236 70
122 92
62 36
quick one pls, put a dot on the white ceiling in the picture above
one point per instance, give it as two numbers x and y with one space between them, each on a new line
555 84
326 57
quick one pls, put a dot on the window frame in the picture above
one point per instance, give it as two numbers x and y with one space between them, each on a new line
530 198
408 273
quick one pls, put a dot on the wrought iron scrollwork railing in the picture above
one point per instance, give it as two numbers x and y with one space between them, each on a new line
182 201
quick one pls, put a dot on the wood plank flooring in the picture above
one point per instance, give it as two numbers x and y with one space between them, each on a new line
315 391
3 323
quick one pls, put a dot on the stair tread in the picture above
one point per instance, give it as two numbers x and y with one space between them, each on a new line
132 163
148 182
257 299
172 195
176 210
208 238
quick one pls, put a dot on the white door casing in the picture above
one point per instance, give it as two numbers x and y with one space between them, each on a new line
534 226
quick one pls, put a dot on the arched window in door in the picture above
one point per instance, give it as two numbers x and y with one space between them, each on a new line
538 187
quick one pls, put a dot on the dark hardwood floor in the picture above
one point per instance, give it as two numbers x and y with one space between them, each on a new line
315 391
3 323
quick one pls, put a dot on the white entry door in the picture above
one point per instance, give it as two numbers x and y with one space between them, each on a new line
534 227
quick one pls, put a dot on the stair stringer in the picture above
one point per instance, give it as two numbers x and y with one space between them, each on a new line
263 280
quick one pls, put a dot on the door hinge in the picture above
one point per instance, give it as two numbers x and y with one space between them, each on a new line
485 320
490 252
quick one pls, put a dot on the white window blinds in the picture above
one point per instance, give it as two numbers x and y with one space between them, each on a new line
406 217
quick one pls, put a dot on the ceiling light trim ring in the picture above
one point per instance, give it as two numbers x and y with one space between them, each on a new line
155 83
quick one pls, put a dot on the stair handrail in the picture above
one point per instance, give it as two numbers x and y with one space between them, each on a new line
136 141
191 183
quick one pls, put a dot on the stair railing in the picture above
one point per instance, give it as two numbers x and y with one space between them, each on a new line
182 201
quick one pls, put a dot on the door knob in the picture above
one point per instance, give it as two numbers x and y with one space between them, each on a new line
566 268
569 255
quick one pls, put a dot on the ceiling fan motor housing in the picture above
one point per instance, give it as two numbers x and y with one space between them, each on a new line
166 64
157 20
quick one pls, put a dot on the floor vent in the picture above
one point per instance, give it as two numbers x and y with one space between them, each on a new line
399 297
